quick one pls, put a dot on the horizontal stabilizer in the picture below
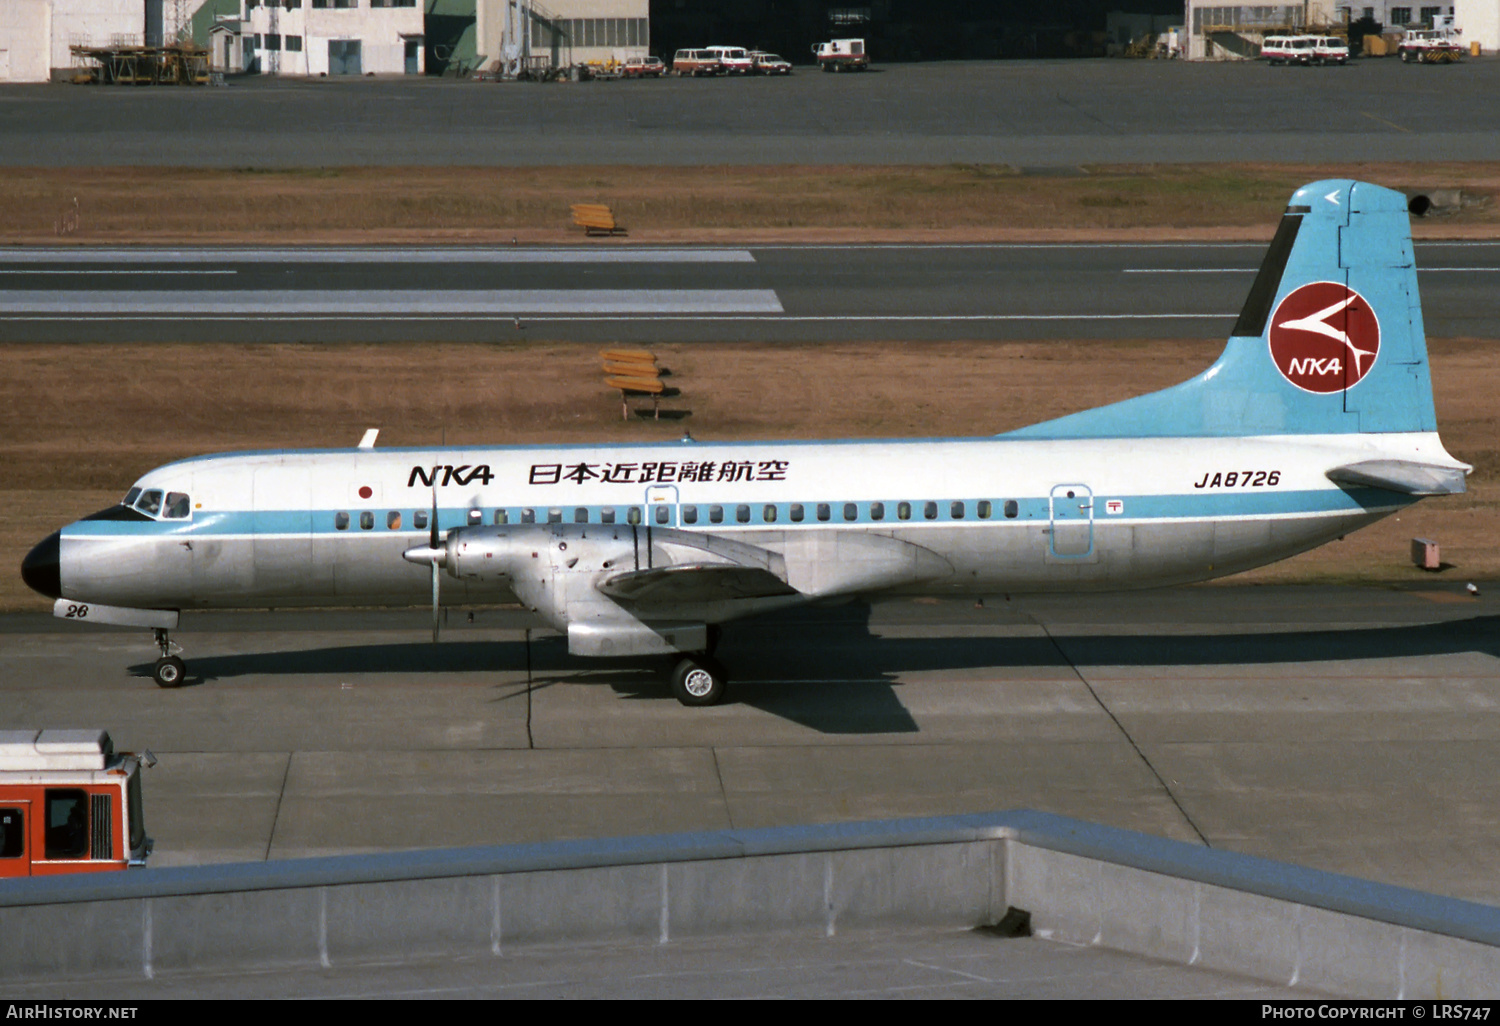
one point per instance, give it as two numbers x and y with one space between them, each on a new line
1405 476
688 583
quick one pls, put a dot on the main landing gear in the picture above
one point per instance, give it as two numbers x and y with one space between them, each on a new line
169 669
699 679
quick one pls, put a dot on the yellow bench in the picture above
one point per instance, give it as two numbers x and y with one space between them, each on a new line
596 219
634 373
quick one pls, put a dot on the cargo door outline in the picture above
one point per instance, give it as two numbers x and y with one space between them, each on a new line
1071 509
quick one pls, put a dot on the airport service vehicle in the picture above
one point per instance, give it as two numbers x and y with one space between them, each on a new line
1288 49
1430 46
1316 420
1330 50
69 803
643 67
735 60
696 62
842 55
769 63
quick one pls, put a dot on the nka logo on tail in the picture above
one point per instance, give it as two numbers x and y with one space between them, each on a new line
1324 337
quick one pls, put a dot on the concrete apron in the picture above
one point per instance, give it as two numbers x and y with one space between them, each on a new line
1081 884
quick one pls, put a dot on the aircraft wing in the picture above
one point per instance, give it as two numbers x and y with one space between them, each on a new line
1408 477
694 583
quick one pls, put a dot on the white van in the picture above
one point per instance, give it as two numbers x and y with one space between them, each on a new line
1287 49
734 59
1330 50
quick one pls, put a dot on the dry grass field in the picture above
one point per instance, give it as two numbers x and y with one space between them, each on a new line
955 202
79 422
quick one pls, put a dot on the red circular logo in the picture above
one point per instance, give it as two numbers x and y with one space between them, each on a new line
365 492
1324 337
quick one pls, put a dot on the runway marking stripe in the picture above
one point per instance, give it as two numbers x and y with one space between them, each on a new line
438 303
497 255
558 318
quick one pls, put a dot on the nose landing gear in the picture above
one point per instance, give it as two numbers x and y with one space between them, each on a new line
169 669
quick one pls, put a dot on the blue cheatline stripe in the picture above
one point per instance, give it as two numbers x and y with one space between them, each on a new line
1135 509
507 255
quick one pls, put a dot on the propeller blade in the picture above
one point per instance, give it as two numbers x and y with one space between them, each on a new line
432 541
435 586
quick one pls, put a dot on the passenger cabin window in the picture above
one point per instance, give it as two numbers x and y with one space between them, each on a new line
929 510
956 511
528 515
419 519
150 502
690 514
12 833
1012 508
768 513
607 515
796 512
633 515
67 823
501 518
742 514
851 511
366 520
663 514
393 520
877 511
476 516
341 521
982 507
903 511
824 512
554 516
581 515
716 514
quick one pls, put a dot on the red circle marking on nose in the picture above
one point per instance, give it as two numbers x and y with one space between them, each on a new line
365 491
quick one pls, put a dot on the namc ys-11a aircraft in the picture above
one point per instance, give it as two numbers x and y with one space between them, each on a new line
1316 420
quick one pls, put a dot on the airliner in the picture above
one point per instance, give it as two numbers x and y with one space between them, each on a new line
1316 420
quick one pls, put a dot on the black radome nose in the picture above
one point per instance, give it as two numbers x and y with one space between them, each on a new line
41 569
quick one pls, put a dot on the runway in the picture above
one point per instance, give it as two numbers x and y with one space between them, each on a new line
1352 730
684 294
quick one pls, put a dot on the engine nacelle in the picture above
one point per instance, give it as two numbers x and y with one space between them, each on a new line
554 569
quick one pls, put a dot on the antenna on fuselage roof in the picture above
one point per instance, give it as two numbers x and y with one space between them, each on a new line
368 441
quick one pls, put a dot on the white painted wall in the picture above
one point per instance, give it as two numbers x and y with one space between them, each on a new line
93 23
492 36
382 33
25 29
1480 22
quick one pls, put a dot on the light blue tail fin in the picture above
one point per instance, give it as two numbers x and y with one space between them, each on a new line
1330 339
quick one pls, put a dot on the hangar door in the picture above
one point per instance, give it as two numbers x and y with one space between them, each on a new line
343 57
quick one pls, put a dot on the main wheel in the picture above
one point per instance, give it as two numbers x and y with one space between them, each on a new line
169 672
699 680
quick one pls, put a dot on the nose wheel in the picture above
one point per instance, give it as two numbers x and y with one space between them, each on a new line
169 670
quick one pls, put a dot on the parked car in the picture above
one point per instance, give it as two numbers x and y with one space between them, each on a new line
763 63
644 67
735 59
696 62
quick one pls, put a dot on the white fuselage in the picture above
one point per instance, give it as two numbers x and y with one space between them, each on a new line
981 515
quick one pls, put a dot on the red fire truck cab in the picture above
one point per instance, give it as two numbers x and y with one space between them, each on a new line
69 803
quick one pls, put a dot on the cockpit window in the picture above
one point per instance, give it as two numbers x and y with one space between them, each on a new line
149 503
178 506
130 497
